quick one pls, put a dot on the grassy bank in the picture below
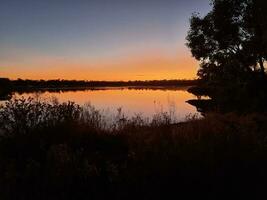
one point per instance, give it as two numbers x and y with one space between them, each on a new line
50 150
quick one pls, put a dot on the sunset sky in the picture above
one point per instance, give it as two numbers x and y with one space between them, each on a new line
97 39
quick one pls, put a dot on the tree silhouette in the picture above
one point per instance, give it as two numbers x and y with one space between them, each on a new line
255 25
231 40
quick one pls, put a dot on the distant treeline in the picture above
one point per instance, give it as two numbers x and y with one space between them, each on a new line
27 84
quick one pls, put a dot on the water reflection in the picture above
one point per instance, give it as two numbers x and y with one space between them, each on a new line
132 101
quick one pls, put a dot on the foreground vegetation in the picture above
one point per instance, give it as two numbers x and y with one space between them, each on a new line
51 150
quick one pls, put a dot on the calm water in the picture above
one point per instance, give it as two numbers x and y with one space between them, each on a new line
132 101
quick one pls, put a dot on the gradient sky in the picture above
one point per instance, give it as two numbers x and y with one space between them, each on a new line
97 39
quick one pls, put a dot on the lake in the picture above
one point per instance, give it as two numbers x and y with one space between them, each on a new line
146 102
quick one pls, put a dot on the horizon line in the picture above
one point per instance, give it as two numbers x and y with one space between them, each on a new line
59 79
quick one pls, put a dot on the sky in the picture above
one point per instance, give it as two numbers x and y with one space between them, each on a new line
97 39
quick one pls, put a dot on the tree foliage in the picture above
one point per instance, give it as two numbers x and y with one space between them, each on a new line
231 40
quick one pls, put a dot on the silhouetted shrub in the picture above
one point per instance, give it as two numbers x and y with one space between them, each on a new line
51 150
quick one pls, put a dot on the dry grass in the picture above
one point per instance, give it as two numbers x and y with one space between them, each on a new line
50 150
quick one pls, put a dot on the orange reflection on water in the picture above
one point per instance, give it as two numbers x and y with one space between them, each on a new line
132 101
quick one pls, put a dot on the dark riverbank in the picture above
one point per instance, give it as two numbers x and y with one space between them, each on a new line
59 151
242 97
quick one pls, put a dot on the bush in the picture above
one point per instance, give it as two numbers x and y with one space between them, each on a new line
52 150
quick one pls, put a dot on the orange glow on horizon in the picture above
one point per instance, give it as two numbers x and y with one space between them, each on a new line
145 66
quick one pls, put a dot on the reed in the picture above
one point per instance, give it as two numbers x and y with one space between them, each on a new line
52 150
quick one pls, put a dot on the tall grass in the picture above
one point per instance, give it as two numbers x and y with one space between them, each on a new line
52 150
